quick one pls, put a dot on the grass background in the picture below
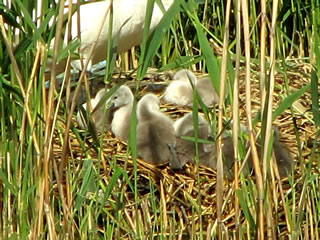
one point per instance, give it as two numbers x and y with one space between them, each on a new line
57 183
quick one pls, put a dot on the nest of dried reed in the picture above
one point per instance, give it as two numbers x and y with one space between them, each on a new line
187 203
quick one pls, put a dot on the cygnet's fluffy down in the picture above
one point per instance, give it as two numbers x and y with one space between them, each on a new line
117 117
186 149
97 113
155 132
128 25
207 152
207 92
282 155
120 112
180 90
210 160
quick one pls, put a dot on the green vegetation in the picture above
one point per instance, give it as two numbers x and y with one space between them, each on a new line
57 182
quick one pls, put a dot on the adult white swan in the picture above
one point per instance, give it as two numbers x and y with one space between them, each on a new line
127 28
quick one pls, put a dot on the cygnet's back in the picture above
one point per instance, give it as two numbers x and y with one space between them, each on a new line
207 92
97 114
120 112
180 91
186 149
282 155
210 160
155 132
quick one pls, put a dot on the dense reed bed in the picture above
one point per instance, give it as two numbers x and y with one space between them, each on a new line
59 182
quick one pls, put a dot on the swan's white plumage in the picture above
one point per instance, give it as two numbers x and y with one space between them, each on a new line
128 26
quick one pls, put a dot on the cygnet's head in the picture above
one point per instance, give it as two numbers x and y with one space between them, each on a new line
123 96
149 103
185 124
186 76
119 114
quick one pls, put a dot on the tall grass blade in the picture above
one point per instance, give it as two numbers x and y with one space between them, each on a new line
111 48
288 101
88 184
244 206
315 97
149 10
182 62
11 187
113 181
156 37
27 19
211 60
9 16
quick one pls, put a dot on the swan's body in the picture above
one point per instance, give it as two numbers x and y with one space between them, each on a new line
155 132
128 26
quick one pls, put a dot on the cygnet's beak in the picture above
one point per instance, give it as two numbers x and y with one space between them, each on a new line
110 110
174 162
111 106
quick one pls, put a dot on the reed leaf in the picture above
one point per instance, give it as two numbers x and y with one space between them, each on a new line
315 98
211 60
288 101
156 37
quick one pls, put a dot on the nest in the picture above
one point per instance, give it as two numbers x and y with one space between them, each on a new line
183 203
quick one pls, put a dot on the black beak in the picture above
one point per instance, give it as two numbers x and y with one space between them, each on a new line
174 161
